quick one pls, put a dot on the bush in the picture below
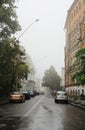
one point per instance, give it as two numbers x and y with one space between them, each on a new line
82 97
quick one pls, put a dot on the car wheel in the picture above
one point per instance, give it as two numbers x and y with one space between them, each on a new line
22 101
66 102
55 101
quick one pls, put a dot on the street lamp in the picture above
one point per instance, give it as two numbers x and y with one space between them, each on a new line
28 28
14 60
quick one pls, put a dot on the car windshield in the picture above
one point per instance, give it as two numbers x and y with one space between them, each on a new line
24 92
31 91
15 93
61 93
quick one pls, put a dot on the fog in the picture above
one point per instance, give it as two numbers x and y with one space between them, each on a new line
44 40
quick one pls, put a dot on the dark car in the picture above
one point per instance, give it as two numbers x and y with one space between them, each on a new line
32 94
27 95
36 92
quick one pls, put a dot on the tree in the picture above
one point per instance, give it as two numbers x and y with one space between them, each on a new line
12 66
20 68
79 76
8 19
51 79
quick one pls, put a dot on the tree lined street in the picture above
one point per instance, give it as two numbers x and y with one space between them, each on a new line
39 111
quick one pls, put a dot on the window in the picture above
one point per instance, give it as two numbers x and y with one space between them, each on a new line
78 92
72 15
79 6
82 92
77 9
74 12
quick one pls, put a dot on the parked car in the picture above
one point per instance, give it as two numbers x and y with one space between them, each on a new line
32 94
17 97
61 96
42 93
27 94
36 92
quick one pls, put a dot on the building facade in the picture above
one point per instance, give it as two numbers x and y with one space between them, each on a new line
62 84
75 39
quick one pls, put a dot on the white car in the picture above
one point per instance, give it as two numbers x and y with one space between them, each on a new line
61 96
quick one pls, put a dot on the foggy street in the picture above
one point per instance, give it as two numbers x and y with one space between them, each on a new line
41 113
42 64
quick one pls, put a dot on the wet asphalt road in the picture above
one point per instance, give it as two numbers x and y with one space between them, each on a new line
41 113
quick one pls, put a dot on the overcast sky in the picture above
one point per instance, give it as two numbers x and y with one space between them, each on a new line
45 39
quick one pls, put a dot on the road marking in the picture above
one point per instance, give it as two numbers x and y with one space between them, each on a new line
26 114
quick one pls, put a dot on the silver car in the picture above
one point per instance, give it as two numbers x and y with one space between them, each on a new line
61 96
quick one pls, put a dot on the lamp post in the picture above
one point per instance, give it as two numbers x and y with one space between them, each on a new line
14 82
28 28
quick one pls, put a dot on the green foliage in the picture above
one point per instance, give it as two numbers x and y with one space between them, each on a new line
79 76
8 19
82 97
12 64
5 63
51 79
23 70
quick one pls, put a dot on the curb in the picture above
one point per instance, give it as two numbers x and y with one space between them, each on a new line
77 105
4 102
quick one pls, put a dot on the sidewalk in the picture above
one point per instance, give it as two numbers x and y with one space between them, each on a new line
4 100
77 105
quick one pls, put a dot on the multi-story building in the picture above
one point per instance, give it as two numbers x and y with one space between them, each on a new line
62 83
75 39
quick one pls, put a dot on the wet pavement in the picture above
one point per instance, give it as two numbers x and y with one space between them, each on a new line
41 114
